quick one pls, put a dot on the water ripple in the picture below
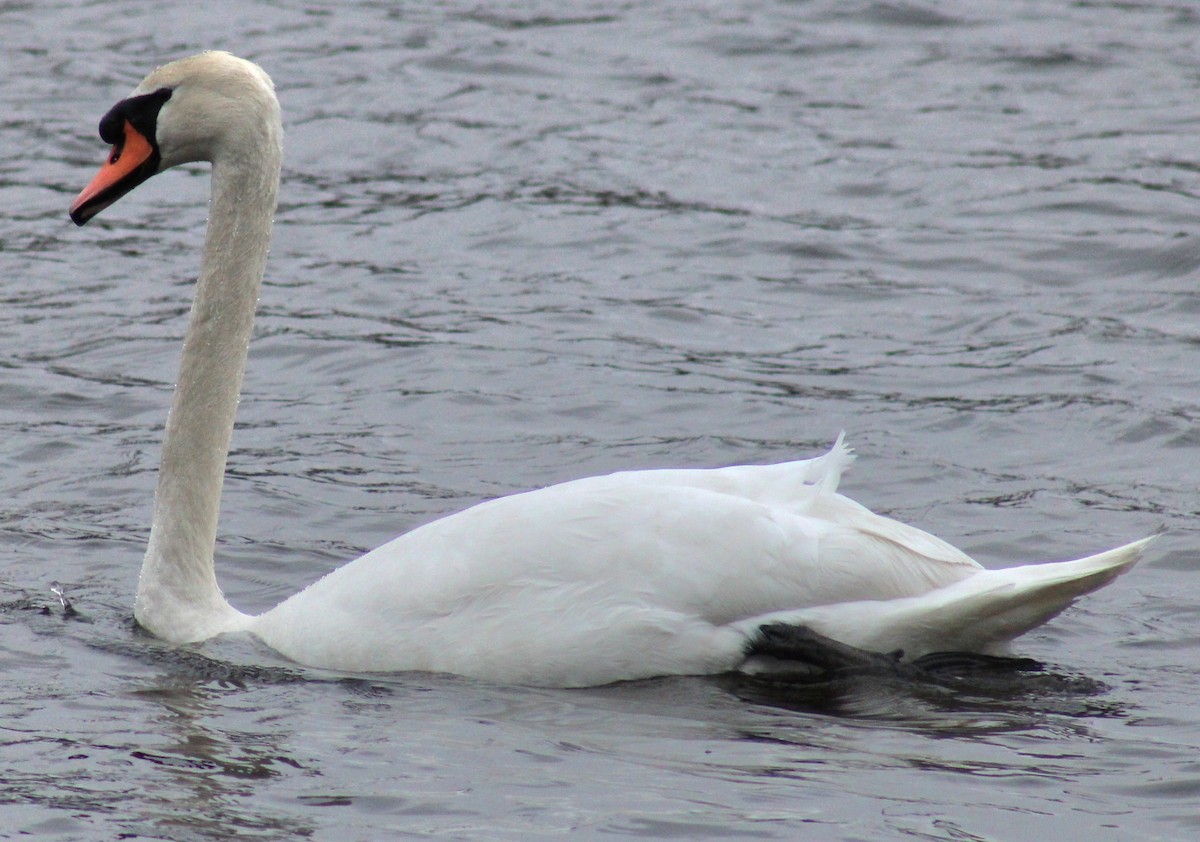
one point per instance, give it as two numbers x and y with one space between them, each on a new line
519 243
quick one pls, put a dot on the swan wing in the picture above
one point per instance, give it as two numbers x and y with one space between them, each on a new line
601 579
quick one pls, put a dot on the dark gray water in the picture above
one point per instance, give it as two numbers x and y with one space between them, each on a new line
522 242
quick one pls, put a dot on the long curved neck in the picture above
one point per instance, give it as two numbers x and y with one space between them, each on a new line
178 598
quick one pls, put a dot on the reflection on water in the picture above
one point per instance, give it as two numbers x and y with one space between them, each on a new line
960 705
523 244
205 771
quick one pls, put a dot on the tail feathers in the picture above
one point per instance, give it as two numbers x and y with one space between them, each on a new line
979 614
1015 600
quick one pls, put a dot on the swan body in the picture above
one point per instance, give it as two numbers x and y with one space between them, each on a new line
625 576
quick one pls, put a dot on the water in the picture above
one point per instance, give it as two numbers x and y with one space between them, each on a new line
525 242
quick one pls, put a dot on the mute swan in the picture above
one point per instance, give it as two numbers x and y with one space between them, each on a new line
615 577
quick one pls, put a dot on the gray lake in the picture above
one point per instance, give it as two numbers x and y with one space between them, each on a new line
524 242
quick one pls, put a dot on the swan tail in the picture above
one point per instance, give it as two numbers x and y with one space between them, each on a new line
981 613
1009 602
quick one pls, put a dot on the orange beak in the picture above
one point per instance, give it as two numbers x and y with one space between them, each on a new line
131 161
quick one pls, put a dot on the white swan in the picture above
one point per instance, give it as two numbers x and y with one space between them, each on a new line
615 577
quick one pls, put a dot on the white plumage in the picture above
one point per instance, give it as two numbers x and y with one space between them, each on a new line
617 577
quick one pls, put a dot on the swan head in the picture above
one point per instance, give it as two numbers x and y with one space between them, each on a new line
208 107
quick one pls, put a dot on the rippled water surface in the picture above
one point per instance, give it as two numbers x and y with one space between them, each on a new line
522 242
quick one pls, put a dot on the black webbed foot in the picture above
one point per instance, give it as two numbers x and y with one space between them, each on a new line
803 652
